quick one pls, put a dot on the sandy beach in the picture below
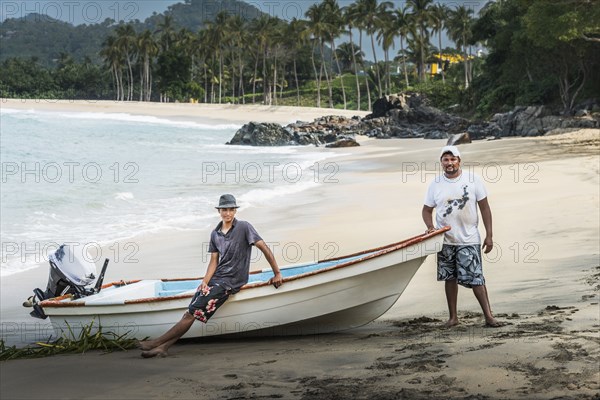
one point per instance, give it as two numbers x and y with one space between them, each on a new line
543 280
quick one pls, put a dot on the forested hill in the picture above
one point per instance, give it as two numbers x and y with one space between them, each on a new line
46 38
194 13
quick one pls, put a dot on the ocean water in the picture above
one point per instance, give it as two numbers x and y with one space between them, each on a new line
95 178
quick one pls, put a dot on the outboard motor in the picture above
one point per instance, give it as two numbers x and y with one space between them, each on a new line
69 274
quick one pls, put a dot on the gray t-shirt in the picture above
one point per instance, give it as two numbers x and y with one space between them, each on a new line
235 249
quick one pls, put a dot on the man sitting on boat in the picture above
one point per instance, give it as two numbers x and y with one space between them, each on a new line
230 248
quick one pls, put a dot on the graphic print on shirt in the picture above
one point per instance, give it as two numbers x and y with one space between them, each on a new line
458 203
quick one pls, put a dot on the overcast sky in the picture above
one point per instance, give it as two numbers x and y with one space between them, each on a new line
91 12
84 11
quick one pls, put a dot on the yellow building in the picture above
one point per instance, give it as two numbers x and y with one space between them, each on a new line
435 68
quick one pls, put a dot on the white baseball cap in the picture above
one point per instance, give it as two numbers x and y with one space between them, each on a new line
450 149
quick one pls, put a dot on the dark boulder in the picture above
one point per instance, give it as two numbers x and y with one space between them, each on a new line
343 142
262 134
458 138
435 134
380 108
529 121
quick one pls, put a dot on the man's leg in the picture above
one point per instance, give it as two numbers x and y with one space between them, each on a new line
452 299
488 299
160 345
480 293
447 272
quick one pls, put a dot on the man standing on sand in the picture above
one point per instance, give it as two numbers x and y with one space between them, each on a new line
455 195
230 249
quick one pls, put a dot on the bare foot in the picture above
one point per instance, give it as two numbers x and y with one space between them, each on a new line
146 344
451 322
493 323
156 352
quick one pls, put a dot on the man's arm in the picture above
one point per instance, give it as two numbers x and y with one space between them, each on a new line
427 214
277 279
486 216
210 271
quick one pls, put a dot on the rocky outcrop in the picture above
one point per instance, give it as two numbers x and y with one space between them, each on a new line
409 115
322 131
326 129
528 121
262 134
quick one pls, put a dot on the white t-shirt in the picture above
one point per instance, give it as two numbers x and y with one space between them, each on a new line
455 203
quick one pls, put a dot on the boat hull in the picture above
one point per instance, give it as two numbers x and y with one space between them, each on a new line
329 301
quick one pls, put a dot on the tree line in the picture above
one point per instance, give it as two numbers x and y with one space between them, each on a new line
538 51
232 57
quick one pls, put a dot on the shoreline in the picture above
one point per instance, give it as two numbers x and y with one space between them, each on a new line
237 113
545 204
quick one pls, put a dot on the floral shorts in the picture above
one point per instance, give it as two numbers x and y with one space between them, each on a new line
462 263
205 303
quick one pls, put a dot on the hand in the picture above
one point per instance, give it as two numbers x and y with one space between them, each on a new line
487 246
430 229
204 288
276 280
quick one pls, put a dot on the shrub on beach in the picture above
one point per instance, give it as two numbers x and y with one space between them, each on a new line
86 341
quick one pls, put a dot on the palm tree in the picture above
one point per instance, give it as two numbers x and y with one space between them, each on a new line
313 50
385 36
165 40
320 29
187 41
438 15
126 40
260 29
334 17
193 43
270 58
459 30
402 24
147 50
257 30
295 38
167 33
418 50
205 54
356 12
217 32
350 18
237 36
277 45
113 58
372 20
344 54
420 14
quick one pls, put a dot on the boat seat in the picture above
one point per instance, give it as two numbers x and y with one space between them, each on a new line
174 288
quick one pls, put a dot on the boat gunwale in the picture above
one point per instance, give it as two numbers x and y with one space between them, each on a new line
58 302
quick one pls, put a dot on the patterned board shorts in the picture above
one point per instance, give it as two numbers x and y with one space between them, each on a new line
462 263
204 304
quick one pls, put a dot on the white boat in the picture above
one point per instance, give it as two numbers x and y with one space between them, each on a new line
327 296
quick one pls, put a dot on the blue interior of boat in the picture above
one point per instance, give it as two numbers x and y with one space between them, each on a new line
173 288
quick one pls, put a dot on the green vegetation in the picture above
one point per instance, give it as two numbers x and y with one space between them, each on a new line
86 341
45 39
538 52
28 79
541 52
